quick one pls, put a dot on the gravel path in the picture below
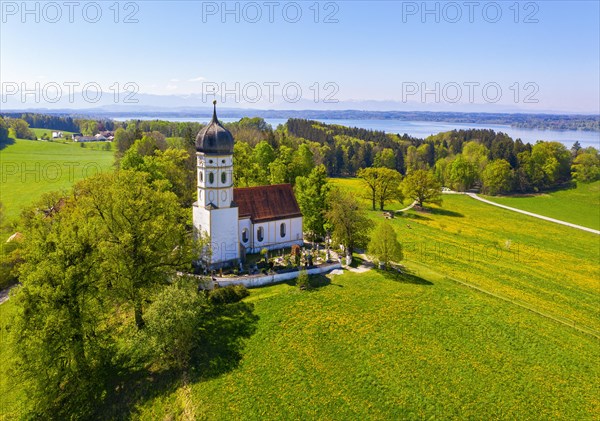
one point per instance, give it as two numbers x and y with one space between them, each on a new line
535 215
410 207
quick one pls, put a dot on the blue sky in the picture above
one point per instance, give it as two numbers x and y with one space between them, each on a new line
376 54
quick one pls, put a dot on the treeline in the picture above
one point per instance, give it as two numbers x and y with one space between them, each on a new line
459 159
45 121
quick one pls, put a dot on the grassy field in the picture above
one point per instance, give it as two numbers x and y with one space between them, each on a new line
40 132
377 346
417 346
579 206
31 168
540 264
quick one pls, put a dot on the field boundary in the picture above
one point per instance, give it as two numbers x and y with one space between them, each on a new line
535 215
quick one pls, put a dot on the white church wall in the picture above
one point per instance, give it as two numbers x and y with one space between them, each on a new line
272 239
296 229
224 234
246 224
201 218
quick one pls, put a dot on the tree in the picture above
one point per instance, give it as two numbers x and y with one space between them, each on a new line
142 236
311 193
384 245
350 225
461 173
169 166
302 162
385 159
3 131
60 342
173 324
497 177
389 181
586 166
243 164
412 161
549 163
370 178
21 129
421 186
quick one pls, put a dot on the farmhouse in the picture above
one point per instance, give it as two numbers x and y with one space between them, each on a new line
239 220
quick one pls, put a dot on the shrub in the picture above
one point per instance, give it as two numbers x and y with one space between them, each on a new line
228 294
303 280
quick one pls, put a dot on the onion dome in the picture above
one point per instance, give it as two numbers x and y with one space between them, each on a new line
214 139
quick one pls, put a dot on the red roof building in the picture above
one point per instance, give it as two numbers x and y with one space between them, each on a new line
266 203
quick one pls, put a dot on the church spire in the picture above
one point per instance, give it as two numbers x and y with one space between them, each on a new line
214 119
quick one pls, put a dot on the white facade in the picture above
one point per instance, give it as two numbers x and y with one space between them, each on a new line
276 234
213 214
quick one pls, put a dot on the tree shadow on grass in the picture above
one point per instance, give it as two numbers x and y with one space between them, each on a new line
219 352
7 142
404 277
412 215
445 212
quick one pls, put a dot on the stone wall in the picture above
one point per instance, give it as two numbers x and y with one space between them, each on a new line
253 281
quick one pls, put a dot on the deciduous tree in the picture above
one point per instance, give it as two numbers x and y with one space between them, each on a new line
384 245
350 225
311 193
497 177
422 186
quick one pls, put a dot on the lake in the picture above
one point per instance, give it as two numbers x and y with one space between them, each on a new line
422 129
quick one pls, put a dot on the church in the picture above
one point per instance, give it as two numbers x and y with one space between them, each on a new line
239 220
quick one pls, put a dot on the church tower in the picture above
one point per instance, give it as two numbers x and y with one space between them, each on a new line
215 213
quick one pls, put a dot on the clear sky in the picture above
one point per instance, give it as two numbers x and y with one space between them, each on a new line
383 53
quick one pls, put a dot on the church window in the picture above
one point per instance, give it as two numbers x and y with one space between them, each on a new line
282 230
222 161
210 161
211 178
201 177
223 177
260 234
245 235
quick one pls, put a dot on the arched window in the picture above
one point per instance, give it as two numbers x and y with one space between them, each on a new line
244 235
200 176
211 178
223 177
260 234
282 230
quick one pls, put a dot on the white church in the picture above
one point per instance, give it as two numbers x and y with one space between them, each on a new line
239 220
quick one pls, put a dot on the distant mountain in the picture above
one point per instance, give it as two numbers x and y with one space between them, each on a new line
197 104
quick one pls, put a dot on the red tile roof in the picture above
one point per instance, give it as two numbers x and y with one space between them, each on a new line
266 203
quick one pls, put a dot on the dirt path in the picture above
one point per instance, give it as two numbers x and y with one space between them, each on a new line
409 207
535 215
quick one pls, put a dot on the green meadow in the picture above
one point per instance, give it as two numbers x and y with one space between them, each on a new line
580 205
48 132
31 168
416 345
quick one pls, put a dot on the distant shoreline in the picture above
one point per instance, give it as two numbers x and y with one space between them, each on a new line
558 122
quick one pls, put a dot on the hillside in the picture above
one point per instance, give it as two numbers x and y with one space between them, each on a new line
579 206
31 168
